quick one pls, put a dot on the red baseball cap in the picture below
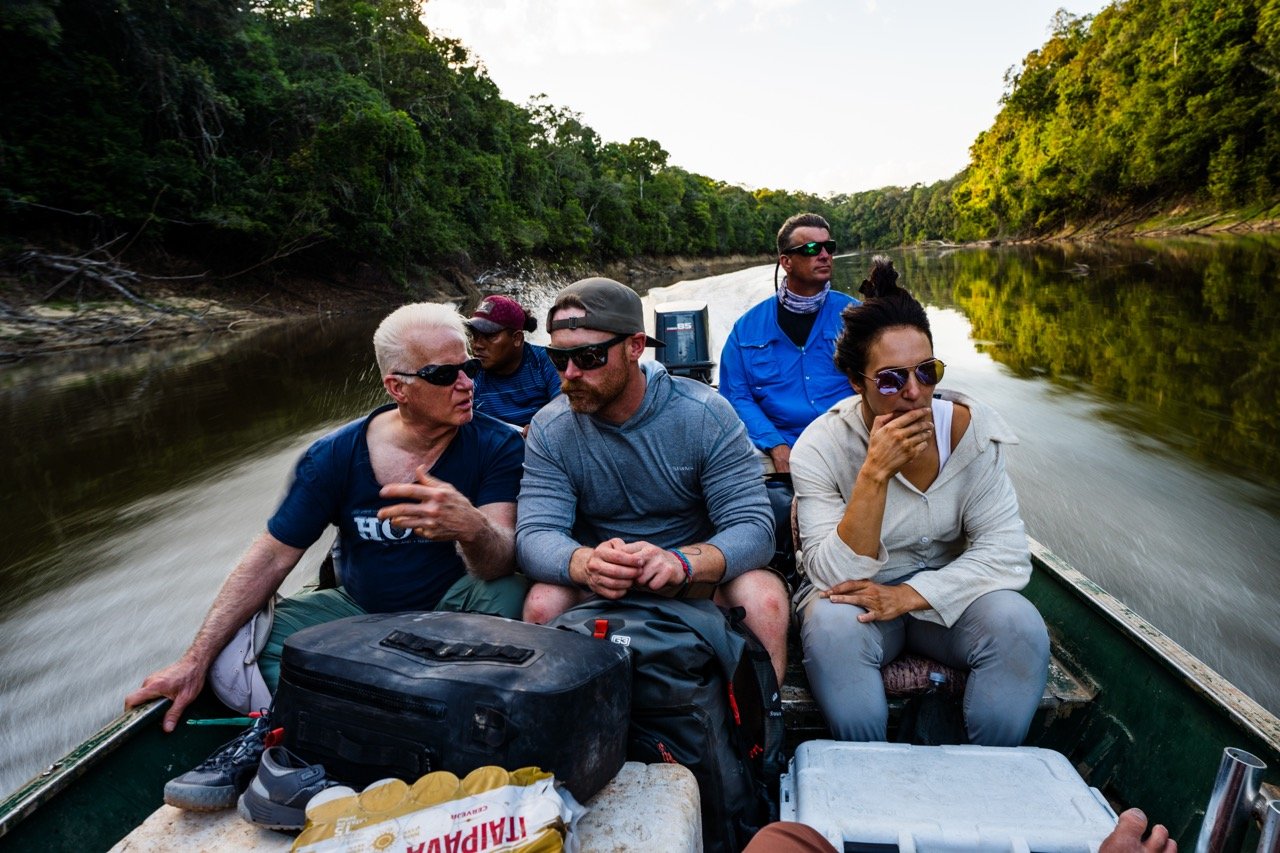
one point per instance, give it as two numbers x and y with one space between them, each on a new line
495 313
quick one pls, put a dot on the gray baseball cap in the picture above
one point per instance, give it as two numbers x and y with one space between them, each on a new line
610 307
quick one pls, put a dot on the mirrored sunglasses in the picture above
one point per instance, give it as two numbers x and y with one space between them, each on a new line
587 357
812 248
891 380
444 374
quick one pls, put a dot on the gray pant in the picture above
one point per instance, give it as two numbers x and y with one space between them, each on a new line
1000 639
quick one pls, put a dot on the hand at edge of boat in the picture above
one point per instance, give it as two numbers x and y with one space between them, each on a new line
1127 836
180 681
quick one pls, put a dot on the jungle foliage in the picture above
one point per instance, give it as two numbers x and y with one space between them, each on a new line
242 131
1151 100
249 130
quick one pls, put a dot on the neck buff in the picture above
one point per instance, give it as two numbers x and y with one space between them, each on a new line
798 304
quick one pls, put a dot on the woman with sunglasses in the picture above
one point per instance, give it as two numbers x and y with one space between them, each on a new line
911 537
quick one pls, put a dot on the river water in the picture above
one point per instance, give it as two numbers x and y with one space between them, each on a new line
1136 374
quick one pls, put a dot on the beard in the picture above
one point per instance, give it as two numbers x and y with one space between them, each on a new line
588 399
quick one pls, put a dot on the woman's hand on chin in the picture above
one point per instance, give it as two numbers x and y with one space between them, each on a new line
881 602
896 439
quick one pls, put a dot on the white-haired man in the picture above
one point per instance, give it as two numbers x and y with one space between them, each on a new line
423 493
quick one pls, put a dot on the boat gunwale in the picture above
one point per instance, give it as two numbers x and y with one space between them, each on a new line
46 785
1211 685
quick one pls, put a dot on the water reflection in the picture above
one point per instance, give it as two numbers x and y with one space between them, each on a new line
1184 332
137 478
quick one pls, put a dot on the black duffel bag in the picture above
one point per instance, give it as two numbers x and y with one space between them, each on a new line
703 695
406 694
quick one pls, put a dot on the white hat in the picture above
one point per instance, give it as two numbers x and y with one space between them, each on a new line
234 675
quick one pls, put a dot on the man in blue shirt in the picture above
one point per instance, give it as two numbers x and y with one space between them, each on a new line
777 367
423 493
516 378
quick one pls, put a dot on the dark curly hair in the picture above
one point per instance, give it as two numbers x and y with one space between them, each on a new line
864 323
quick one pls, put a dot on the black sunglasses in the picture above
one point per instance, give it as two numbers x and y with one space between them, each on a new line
891 380
445 374
812 248
587 357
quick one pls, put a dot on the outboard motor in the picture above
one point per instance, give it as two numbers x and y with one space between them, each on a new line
683 327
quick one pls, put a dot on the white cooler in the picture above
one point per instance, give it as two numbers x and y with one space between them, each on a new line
864 796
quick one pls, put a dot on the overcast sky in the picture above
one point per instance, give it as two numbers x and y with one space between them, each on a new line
823 96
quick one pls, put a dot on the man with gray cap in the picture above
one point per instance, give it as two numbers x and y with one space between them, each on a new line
635 479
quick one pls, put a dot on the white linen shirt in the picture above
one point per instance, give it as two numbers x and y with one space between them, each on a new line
957 540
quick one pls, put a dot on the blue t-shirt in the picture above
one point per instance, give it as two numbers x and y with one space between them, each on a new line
386 569
516 398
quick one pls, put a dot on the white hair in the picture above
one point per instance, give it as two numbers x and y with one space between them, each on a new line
389 338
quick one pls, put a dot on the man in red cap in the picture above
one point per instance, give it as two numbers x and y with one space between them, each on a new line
516 378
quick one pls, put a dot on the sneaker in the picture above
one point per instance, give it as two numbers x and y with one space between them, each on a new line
215 783
278 795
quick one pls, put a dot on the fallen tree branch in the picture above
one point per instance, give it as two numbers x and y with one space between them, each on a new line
137 331
100 272
293 247
104 273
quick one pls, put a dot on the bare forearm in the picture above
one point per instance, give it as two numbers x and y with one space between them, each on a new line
246 590
578 565
781 458
864 515
706 560
491 553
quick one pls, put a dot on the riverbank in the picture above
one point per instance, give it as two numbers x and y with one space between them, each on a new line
1171 219
52 303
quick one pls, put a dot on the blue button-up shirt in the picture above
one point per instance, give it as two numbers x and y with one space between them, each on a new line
776 387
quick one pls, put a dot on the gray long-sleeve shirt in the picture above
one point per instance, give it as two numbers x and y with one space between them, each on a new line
680 470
